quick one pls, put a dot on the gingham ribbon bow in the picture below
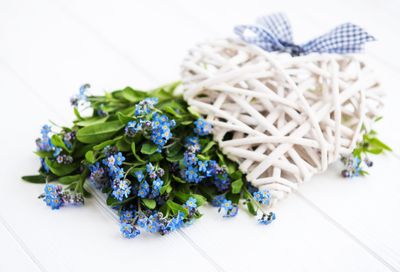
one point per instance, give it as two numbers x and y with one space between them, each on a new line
274 33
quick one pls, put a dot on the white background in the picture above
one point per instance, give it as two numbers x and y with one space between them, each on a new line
49 48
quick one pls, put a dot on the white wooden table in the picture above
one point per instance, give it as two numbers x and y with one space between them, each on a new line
49 48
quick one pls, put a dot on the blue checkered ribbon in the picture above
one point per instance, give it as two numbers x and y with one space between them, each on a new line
274 33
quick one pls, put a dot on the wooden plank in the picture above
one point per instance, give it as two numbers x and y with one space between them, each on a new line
14 258
115 37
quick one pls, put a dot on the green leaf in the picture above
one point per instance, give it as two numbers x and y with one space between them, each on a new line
175 158
43 154
123 145
378 143
128 111
209 145
221 158
69 179
171 111
57 141
166 188
77 114
201 200
81 149
231 167
251 208
91 121
35 179
148 148
132 95
111 201
375 151
106 143
236 175
208 192
174 149
194 112
175 208
202 157
237 186
89 156
123 118
178 179
61 169
186 123
133 148
156 157
149 203
99 132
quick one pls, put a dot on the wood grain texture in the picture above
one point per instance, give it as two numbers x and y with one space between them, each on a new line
49 48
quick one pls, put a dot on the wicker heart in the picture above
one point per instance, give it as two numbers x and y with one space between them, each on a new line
282 118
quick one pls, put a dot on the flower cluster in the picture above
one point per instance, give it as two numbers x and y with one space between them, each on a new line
80 98
62 158
202 128
120 185
196 170
262 196
55 197
145 106
69 138
156 172
156 222
98 176
152 174
153 221
225 206
44 143
127 220
161 130
267 219
354 165
230 210
152 124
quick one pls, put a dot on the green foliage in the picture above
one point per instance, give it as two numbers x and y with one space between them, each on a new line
148 148
98 133
370 144
105 128
35 179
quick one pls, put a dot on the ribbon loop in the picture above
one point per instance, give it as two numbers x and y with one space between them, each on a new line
274 33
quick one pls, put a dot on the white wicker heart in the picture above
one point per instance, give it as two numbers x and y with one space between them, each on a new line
282 118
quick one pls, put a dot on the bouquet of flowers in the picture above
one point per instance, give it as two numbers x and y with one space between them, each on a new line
150 154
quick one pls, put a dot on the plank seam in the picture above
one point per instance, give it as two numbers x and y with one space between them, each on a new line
22 245
347 232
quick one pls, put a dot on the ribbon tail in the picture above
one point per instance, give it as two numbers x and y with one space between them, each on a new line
278 25
345 38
